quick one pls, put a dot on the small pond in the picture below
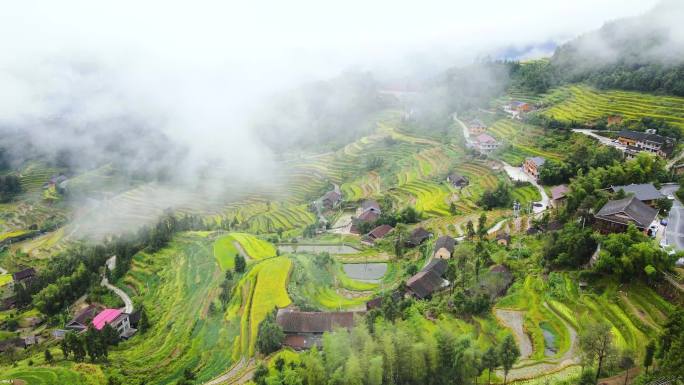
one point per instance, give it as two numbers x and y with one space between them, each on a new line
369 272
332 249
550 348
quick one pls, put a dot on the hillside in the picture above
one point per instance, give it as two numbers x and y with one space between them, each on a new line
502 222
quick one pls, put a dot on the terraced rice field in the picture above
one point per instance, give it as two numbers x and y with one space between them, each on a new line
177 285
582 104
225 249
260 217
35 175
261 291
78 374
429 198
327 288
634 312
526 194
520 139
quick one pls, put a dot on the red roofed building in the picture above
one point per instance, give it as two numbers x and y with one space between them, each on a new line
117 319
379 232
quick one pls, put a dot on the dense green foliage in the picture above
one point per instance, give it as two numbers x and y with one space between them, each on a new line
631 254
9 187
270 336
570 247
498 197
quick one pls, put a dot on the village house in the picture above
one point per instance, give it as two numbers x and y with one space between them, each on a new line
516 108
532 165
485 144
429 280
117 319
331 200
646 141
558 195
644 192
476 127
366 217
457 180
23 277
417 237
82 319
370 205
379 232
616 215
304 330
520 106
444 247
504 239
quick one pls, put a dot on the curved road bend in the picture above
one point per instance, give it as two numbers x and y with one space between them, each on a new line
674 232
128 308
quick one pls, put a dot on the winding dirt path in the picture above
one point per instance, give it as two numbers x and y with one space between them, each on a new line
242 251
240 373
513 319
530 369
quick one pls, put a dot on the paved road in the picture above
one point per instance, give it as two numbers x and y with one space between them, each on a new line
674 232
517 174
122 294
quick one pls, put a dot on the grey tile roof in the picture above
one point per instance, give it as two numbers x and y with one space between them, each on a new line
446 242
425 283
643 192
642 136
538 160
628 210
437 266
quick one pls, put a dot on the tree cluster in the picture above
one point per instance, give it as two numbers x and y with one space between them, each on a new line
93 343
270 335
632 254
572 246
499 197
392 353
9 187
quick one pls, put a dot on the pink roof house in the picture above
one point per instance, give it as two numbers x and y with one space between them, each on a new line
106 316
485 143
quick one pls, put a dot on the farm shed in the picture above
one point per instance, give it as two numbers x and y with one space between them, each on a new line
444 247
379 232
418 236
304 330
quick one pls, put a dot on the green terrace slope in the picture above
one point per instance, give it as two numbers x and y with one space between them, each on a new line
583 104
177 285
